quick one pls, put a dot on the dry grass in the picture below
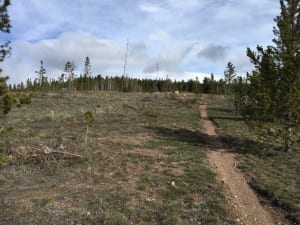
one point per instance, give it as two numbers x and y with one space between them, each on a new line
144 163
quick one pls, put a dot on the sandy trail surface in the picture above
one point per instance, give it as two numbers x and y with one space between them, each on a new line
243 200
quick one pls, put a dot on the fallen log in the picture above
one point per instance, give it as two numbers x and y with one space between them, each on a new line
44 154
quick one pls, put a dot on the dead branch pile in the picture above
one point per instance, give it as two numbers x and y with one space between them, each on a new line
134 106
44 154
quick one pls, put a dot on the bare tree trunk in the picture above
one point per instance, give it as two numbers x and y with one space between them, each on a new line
288 145
288 140
69 86
86 134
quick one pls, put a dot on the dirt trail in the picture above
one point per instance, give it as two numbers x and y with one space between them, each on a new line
245 204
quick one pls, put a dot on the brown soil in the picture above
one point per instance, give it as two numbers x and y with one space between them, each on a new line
245 204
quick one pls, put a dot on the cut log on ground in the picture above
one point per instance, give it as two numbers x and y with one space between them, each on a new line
44 154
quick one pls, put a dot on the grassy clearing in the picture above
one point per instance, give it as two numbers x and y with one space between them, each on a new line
272 172
144 163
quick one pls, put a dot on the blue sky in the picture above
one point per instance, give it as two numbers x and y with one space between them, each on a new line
186 38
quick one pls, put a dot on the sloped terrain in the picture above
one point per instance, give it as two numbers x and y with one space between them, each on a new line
271 172
144 162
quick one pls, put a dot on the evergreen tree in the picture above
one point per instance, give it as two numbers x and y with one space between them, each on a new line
28 84
287 55
196 86
42 78
4 27
274 90
229 75
87 66
69 69
240 91
87 72
263 88
61 82
5 99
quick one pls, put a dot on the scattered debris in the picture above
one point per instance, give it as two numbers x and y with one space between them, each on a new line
131 106
44 153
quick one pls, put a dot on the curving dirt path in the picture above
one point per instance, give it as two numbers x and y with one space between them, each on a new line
245 204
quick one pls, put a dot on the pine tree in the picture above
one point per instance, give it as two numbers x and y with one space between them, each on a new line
87 71
274 90
4 27
287 56
42 78
229 75
240 91
263 88
6 100
61 82
87 66
28 84
69 69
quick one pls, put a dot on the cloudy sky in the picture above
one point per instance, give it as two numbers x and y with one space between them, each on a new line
185 38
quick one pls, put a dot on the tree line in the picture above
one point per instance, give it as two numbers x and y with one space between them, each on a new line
68 81
124 84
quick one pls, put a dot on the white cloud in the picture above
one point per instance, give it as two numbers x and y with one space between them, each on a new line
159 35
185 4
150 8
107 57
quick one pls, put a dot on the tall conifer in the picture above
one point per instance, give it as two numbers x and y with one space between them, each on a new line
274 91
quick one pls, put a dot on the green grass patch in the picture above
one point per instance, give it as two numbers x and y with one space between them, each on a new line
115 218
42 202
173 193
